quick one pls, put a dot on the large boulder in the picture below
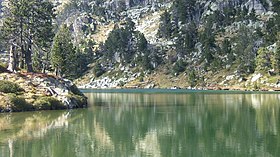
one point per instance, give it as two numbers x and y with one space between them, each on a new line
38 92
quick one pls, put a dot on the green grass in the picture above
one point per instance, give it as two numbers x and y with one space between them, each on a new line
9 87
273 79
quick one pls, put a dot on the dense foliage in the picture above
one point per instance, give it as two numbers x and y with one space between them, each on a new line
224 36
27 28
127 46
28 33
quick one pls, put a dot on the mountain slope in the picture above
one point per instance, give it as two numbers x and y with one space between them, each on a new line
183 43
214 44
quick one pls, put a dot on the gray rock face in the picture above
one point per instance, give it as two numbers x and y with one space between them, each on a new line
133 3
62 89
211 6
256 5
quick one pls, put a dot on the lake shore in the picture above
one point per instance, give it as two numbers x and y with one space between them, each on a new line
253 82
213 88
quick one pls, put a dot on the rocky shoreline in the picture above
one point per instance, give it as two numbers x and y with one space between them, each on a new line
256 82
35 91
215 88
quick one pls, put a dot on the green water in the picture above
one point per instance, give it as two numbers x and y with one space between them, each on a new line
149 123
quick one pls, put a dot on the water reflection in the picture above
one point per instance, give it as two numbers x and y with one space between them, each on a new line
158 125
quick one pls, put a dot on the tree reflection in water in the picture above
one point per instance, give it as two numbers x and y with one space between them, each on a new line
138 124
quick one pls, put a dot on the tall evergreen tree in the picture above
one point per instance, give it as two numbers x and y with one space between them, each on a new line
276 59
27 25
165 29
244 49
119 44
227 50
142 43
62 51
184 10
263 62
207 38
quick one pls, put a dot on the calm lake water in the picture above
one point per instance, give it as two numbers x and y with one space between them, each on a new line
167 123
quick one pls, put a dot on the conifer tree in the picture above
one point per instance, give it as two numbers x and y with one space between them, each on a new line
276 59
62 51
185 10
207 38
244 49
27 25
142 43
165 29
263 60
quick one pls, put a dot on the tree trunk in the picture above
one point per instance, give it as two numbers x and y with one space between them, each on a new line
58 72
12 59
28 59
21 58
44 68
21 53
46 63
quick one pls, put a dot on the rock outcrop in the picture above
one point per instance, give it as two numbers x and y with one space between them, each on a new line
28 91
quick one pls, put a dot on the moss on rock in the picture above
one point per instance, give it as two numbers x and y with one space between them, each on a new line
16 103
78 100
48 103
9 87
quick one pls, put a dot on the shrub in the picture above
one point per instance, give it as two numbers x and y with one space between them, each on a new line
48 103
98 70
192 78
3 67
141 79
9 87
17 103
179 66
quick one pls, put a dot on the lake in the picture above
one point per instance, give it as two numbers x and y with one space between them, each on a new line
156 123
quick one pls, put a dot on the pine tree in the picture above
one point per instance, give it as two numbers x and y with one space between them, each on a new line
120 43
276 6
244 49
142 43
98 70
62 51
11 31
207 38
252 15
165 29
227 50
184 10
263 62
276 59
27 25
